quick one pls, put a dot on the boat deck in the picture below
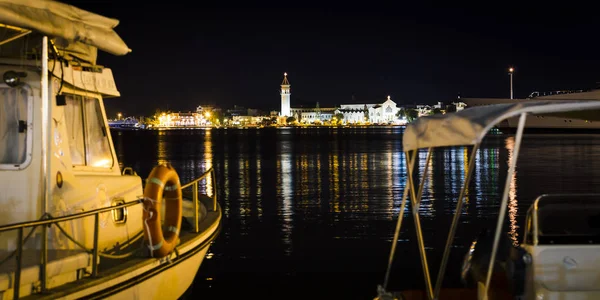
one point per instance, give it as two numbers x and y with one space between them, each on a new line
463 294
499 290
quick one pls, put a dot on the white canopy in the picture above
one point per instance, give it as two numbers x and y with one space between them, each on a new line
61 20
469 126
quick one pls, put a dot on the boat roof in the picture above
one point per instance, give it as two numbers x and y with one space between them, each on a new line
469 126
64 21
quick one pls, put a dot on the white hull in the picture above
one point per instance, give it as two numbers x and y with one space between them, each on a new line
543 122
171 284
552 123
159 279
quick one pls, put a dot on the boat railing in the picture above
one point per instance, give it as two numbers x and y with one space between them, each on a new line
194 185
47 220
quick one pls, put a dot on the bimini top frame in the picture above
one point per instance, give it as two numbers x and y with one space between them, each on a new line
468 127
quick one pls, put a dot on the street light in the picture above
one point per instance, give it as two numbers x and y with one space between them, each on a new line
119 116
510 73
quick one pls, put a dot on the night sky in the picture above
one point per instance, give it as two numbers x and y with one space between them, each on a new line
225 53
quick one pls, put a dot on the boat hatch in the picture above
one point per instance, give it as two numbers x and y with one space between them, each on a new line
16 117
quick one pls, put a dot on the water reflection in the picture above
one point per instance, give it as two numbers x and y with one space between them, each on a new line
426 207
259 182
334 177
513 208
285 183
161 150
207 162
398 172
334 194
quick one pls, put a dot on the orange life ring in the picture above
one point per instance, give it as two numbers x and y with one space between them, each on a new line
163 178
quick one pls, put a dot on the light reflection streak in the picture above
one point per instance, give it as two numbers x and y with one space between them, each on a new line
399 169
428 186
481 159
390 180
302 189
287 193
513 207
226 183
455 169
244 179
464 177
363 175
259 184
319 179
161 145
335 182
208 161
426 207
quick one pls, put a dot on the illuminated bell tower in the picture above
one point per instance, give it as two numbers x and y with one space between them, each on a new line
285 97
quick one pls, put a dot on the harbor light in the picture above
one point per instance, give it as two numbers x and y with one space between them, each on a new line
510 73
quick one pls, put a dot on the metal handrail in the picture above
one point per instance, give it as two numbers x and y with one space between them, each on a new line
69 217
44 262
194 184
96 213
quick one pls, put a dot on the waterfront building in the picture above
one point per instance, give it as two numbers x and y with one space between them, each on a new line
383 113
355 113
378 113
310 114
185 119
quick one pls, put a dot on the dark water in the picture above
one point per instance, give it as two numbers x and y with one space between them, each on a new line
310 213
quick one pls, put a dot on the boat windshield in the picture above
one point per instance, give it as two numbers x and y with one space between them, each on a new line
569 222
13 126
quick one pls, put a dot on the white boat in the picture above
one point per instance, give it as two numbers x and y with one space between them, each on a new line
566 123
559 255
126 123
74 225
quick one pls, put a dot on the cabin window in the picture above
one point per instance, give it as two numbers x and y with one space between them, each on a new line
88 138
15 119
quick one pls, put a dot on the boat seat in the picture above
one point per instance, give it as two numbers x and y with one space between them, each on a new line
63 266
563 268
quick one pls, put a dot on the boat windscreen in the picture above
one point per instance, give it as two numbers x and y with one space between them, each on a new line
568 222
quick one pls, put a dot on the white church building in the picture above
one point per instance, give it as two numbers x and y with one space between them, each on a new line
372 113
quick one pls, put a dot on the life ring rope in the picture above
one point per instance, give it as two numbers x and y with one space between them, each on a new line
151 246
